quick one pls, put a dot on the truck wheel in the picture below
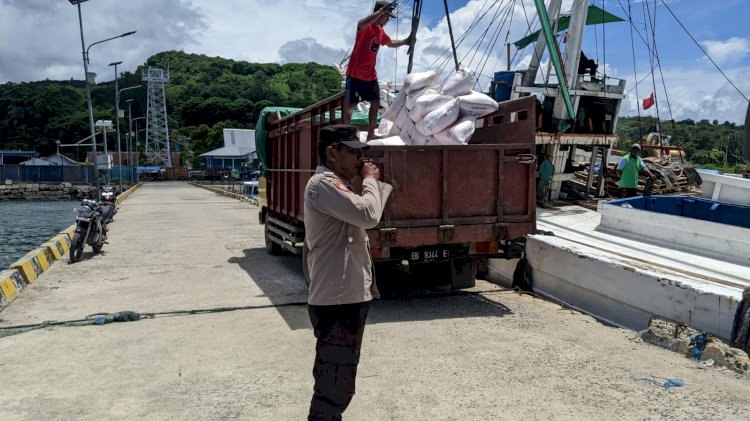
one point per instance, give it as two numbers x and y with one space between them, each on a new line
483 267
305 267
273 248
463 273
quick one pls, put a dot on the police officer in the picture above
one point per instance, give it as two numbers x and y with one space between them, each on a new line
339 263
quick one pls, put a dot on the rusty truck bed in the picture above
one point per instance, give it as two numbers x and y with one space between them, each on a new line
481 192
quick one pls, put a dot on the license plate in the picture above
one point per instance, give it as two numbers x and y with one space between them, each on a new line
429 255
83 219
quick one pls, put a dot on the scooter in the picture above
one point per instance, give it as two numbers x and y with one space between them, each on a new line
90 229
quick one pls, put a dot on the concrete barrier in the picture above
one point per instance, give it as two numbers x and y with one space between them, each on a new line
229 194
11 284
32 265
127 193
57 247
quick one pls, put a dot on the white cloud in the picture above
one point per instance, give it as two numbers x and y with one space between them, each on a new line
40 39
731 50
693 93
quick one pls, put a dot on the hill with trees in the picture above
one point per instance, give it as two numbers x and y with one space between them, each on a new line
204 95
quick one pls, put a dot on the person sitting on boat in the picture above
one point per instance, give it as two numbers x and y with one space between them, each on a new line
628 169
586 65
361 77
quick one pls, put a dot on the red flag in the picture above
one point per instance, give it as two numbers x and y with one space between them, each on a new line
648 102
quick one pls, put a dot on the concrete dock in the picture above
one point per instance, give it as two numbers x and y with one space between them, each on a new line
489 354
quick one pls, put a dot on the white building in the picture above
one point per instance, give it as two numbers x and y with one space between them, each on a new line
239 147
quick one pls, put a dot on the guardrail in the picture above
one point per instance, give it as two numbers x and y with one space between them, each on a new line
226 193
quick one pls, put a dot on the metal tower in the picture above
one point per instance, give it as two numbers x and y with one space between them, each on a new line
157 132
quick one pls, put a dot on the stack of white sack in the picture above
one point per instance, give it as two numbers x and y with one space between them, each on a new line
425 114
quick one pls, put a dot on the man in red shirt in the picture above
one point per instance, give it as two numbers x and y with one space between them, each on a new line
361 77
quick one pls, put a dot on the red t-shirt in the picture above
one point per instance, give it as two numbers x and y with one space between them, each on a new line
366 45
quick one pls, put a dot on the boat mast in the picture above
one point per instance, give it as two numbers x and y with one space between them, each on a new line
578 15
558 111
530 74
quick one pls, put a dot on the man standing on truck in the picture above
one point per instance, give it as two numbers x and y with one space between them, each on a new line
339 263
628 169
361 77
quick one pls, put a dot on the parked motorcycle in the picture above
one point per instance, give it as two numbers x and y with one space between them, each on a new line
91 229
108 200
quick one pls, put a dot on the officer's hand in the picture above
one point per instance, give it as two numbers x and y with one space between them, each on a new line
369 170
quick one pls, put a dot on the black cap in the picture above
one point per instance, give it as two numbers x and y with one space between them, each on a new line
389 7
343 133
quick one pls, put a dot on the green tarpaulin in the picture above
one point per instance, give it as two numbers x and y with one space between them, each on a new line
261 135
595 16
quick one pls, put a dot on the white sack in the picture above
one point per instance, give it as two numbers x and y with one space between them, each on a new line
411 98
388 141
409 131
459 133
426 103
459 83
422 140
400 123
439 119
416 81
383 128
391 113
476 104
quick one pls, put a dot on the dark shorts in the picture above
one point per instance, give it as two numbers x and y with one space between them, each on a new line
628 192
360 90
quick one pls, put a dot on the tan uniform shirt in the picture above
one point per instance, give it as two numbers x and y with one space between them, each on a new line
339 259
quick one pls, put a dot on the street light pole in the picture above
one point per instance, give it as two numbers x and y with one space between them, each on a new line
117 124
88 86
88 93
130 128
127 139
136 132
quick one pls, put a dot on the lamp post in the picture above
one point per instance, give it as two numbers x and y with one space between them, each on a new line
127 139
130 128
135 120
117 123
88 92
88 86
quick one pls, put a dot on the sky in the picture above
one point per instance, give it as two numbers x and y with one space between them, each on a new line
41 39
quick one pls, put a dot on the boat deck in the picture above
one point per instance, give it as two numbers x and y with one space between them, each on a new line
623 281
579 225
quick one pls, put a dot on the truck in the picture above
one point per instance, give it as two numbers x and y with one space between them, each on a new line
451 204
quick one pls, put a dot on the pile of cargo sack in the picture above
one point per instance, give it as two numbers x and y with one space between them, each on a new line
425 114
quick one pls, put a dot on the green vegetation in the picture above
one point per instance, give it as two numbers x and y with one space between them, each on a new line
204 95
708 144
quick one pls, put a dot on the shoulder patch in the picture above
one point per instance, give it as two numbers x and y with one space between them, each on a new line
338 184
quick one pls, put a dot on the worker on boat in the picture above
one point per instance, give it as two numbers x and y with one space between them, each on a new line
587 65
628 169
361 77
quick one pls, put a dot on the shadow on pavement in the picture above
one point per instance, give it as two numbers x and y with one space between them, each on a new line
281 280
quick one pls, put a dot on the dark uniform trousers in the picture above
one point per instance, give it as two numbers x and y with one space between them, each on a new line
339 330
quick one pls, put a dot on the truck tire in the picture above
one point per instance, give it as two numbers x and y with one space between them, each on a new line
483 268
305 267
463 273
273 248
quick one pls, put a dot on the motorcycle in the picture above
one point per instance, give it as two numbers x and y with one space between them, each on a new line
108 200
91 229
